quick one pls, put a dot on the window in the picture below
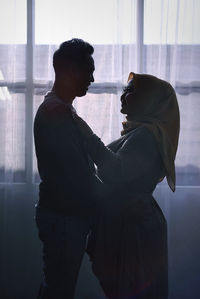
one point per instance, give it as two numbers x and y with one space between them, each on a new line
152 36
12 90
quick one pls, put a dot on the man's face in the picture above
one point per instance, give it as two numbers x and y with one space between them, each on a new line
83 77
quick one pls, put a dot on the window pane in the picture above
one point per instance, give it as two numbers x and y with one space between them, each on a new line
12 63
12 136
178 63
13 22
98 22
13 18
171 21
188 158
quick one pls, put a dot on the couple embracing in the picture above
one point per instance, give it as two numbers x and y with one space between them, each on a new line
108 210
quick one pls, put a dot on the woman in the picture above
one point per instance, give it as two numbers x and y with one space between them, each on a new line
128 246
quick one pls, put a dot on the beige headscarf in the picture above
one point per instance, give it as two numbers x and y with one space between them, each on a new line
159 113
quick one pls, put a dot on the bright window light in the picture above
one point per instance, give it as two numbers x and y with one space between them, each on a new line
13 21
171 22
92 20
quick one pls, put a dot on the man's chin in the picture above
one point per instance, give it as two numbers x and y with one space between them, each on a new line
82 93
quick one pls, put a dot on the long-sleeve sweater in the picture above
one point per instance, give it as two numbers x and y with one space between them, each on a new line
131 164
68 182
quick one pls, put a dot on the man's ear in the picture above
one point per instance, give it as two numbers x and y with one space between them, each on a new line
131 76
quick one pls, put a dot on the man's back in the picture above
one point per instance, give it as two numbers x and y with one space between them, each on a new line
67 175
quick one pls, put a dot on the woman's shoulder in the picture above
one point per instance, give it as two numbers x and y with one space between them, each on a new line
140 135
142 140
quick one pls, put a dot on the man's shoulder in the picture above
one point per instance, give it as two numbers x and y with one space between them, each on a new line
53 107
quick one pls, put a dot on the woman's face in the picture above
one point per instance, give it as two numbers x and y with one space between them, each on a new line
131 100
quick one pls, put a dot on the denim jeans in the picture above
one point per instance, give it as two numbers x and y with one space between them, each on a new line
64 241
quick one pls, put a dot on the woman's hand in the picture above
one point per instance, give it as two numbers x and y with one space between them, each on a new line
83 126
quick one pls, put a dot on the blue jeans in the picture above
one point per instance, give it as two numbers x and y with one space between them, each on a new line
64 242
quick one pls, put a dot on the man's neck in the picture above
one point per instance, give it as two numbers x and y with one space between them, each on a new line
63 93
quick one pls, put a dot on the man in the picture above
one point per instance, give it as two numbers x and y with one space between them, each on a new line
66 193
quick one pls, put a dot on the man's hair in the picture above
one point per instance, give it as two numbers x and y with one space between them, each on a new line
74 51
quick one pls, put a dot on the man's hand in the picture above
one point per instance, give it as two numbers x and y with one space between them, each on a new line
82 125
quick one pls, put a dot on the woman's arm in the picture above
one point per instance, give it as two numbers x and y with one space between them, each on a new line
109 164
106 160
135 158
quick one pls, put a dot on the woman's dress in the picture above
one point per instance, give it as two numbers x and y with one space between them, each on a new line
128 246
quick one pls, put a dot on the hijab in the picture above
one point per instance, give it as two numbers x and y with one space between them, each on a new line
159 113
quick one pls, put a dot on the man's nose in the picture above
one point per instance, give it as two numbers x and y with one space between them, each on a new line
91 78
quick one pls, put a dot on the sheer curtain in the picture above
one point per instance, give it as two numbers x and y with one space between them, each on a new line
158 37
171 51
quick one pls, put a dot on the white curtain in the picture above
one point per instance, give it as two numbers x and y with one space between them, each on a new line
158 37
